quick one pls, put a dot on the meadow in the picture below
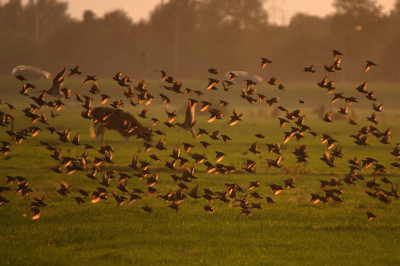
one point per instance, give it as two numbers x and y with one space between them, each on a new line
290 231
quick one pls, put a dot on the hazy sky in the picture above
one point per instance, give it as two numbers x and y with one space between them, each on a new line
139 9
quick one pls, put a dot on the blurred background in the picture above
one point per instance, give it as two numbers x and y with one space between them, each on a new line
186 37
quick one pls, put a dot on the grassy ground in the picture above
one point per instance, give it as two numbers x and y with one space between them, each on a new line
291 231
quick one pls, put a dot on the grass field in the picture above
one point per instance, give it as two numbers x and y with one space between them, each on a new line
291 231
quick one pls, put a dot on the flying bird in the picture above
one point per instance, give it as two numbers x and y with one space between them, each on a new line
369 65
189 122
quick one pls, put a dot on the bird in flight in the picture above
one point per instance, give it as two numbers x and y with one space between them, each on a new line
189 122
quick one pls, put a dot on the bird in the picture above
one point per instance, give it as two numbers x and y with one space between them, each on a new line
343 110
371 216
211 84
235 118
89 78
143 113
377 108
373 119
213 71
270 200
370 96
147 209
336 54
215 135
189 122
208 209
369 65
328 117
21 78
264 62
330 68
253 148
329 160
76 139
58 82
323 82
165 99
276 189
95 89
362 88
272 81
274 163
219 156
74 71
309 69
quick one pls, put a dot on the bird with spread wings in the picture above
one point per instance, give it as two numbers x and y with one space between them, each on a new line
189 122
58 82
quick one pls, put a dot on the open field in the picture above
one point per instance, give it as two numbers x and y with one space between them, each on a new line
290 231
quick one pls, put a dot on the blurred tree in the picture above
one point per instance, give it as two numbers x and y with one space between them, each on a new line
186 37
357 29
390 70
11 15
305 42
42 17
357 8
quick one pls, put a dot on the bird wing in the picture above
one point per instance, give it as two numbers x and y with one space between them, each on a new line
189 119
58 81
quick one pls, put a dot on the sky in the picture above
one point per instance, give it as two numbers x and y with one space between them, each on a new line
280 11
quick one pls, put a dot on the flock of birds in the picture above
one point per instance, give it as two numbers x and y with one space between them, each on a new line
232 194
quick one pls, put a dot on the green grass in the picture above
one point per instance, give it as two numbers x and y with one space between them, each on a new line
289 232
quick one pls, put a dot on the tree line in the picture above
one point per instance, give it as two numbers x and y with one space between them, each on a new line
186 37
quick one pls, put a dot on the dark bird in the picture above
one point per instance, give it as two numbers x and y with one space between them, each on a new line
143 113
274 163
235 118
337 97
371 216
276 189
147 209
75 70
369 65
329 160
89 78
225 138
377 108
165 99
330 68
21 78
264 62
53 115
370 96
272 81
362 88
309 69
213 71
193 192
253 148
215 135
76 139
208 209
343 110
323 82
336 54
272 101
270 200
328 117
373 119
211 84
95 89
